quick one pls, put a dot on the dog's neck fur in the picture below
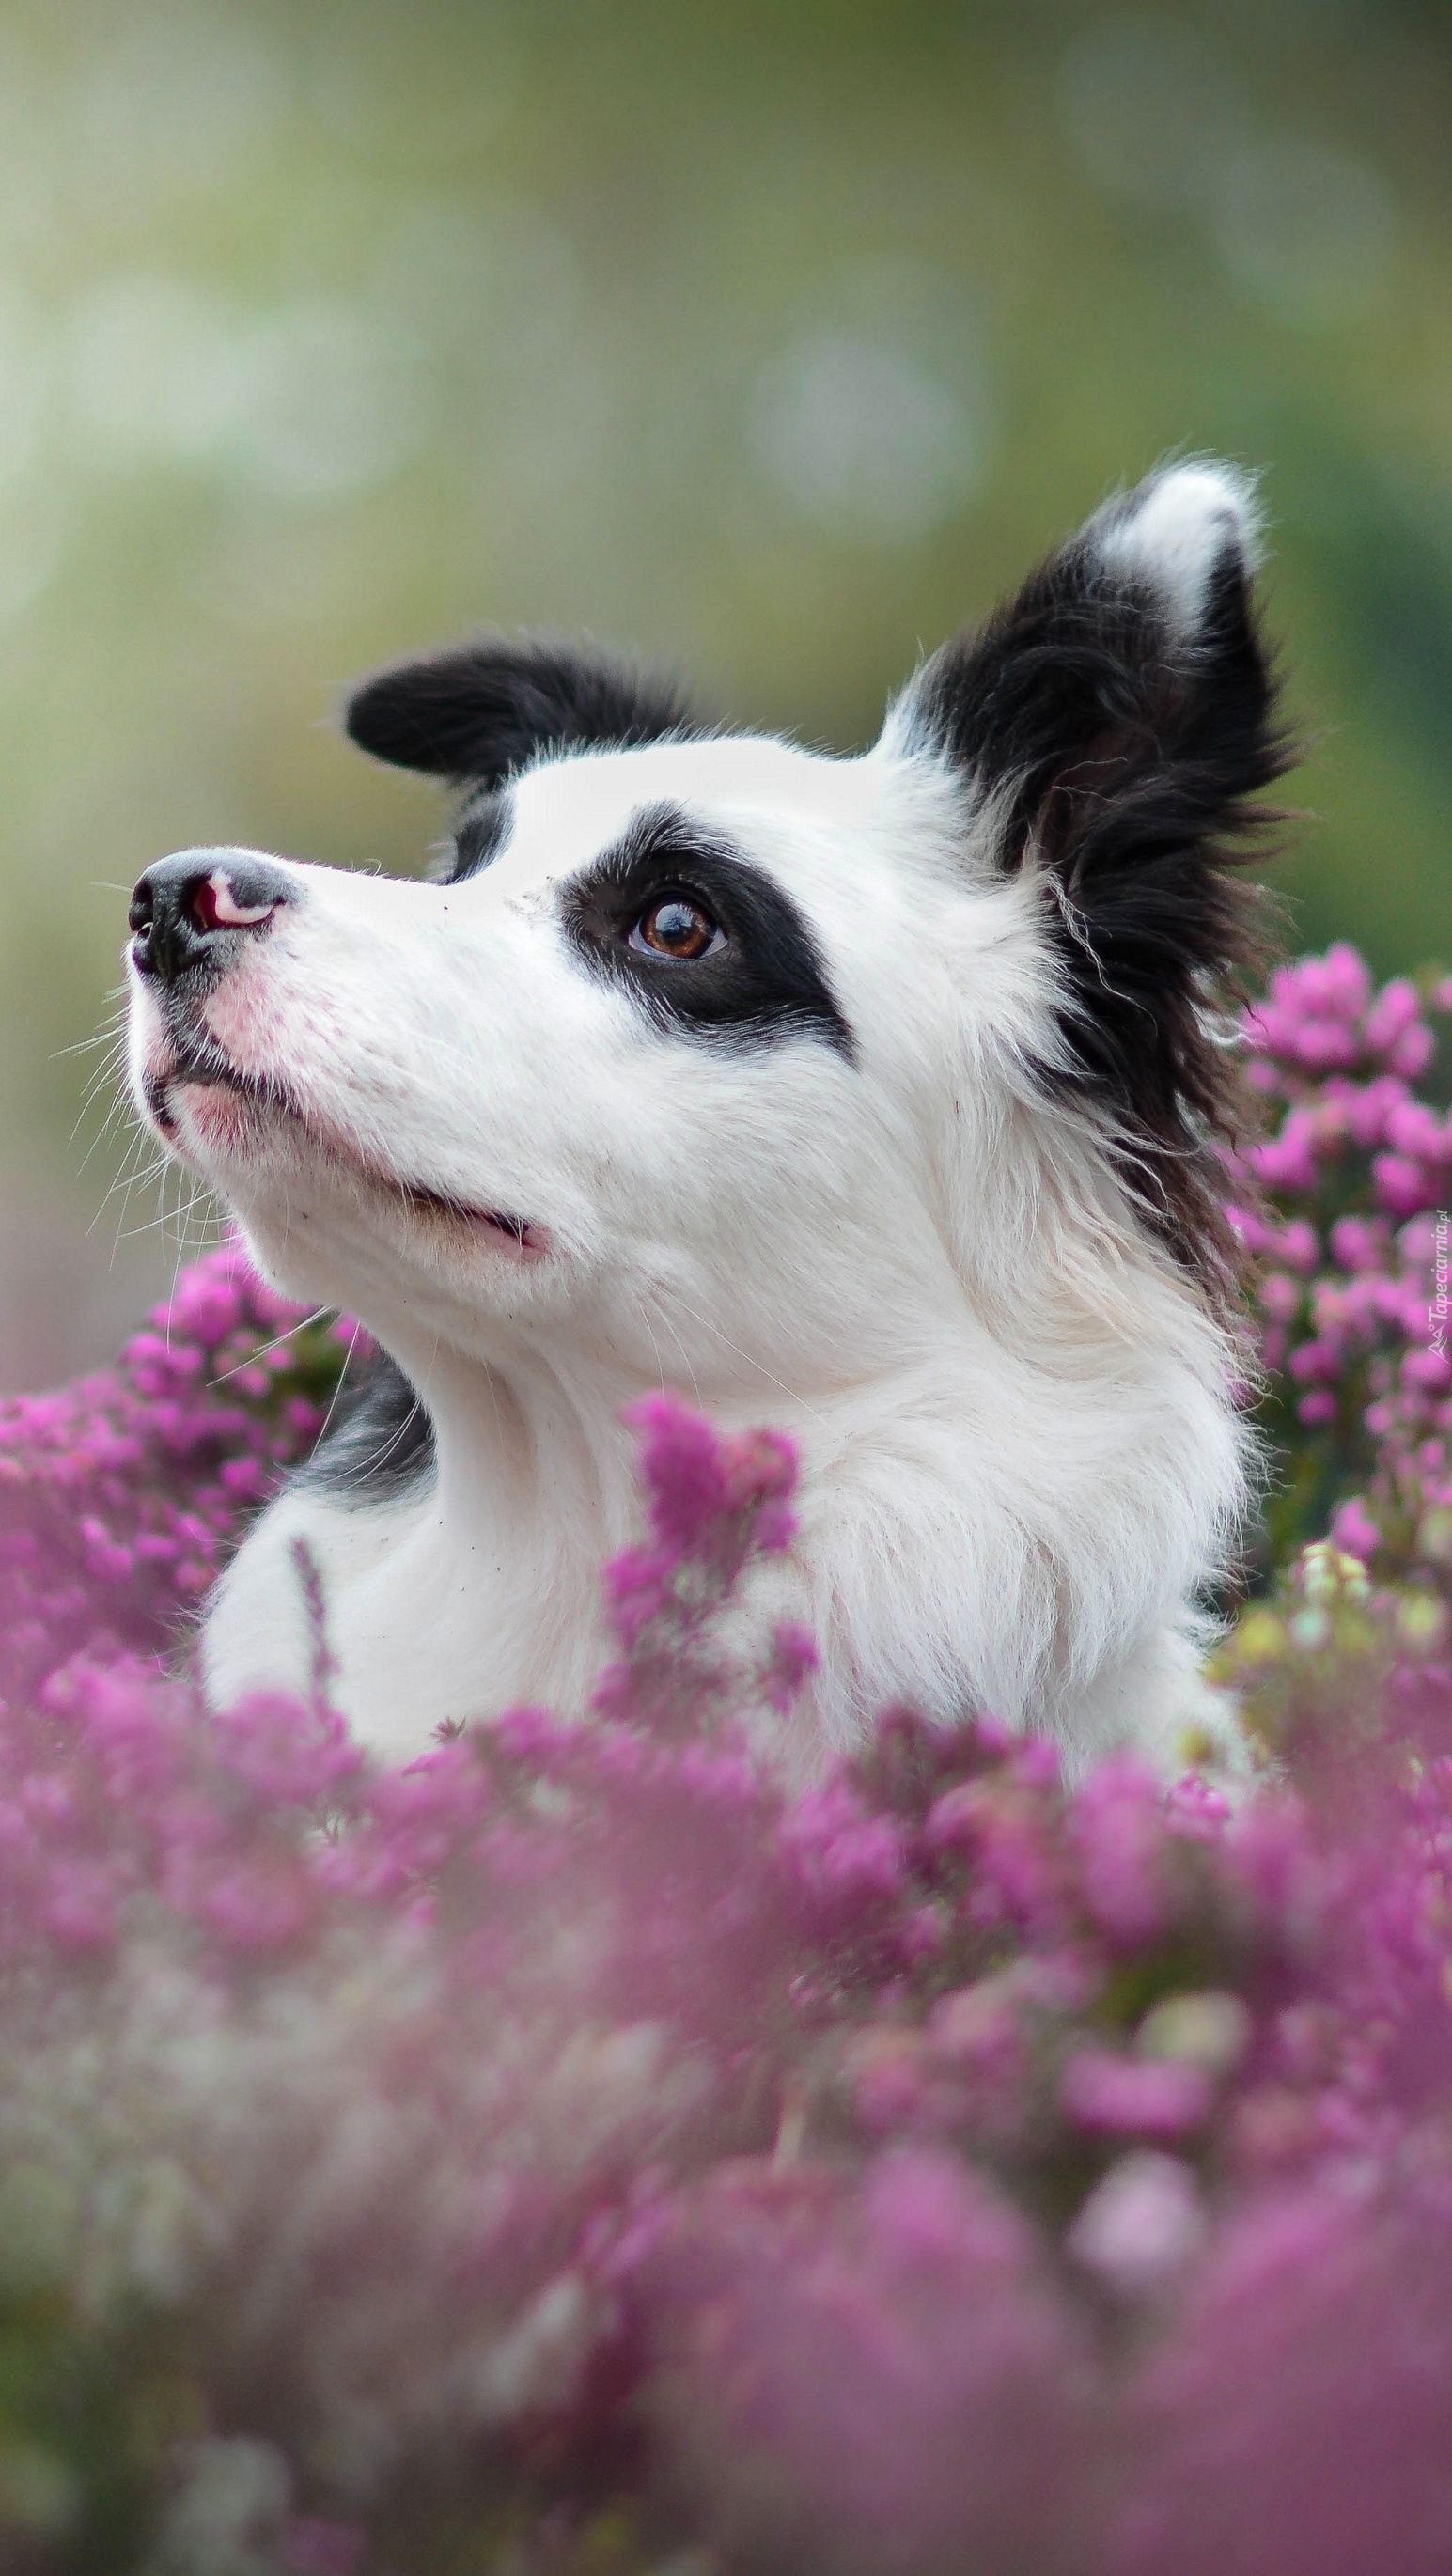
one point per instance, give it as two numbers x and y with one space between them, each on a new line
1008 1509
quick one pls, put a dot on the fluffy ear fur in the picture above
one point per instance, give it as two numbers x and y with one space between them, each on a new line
480 711
1113 720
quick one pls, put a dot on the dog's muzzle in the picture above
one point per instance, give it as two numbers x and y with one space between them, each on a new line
190 912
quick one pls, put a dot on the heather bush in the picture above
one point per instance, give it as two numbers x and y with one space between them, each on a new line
1346 1213
585 2153
119 1495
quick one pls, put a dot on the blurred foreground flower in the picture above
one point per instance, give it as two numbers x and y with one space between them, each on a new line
580 2150
584 2154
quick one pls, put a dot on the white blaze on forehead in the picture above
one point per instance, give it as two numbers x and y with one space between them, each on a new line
1177 531
568 811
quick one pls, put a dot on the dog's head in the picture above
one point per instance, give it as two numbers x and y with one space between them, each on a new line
729 1058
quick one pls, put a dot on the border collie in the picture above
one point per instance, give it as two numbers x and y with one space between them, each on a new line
877 1096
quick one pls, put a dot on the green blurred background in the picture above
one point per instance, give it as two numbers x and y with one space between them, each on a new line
772 341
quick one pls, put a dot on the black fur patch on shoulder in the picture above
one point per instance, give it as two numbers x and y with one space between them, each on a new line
766 980
480 711
380 1445
1117 753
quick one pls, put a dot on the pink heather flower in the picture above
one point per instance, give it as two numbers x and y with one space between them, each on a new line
788 1667
1196 1810
1297 1246
1161 2098
1416 1131
1141 2225
253 1908
1014 1856
285 1756
1251 1227
1280 1297
1124 1852
119 1495
1403 1187
1287 1163
79 1904
1354 1530
883 2365
695 1480
981 2031
1338 981
1394 1019
1295 2416
1358 1243
1315 1359
836 1843
1322 1045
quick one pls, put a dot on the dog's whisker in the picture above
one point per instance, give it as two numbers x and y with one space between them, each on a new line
338 1389
132 1175
275 1345
680 1345
758 1366
106 1072
360 1471
137 1144
164 1224
116 1105
114 1114
110 1068
183 1242
120 1235
128 1181
84 1046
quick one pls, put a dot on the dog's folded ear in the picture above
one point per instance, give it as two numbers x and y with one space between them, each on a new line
1113 723
478 712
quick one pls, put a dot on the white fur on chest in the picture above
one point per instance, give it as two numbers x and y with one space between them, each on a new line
427 1625
992 1536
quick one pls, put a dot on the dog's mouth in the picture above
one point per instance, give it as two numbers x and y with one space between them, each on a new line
198 1062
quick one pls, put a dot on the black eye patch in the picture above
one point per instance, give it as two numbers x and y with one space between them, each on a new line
764 979
480 835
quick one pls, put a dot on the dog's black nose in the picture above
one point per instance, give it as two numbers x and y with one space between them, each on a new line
191 910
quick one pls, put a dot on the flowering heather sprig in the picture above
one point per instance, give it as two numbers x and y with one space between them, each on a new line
714 1504
120 1495
1342 1203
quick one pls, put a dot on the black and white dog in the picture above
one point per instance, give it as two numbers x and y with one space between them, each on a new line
877 1097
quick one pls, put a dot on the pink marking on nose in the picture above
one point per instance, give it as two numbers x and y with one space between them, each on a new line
217 907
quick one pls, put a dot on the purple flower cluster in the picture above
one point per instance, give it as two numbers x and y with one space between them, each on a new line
586 2151
120 1495
1345 1210
584 2146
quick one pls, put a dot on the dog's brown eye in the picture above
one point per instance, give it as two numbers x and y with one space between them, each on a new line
676 927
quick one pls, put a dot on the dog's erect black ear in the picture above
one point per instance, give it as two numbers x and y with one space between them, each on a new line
1119 710
1114 720
480 711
